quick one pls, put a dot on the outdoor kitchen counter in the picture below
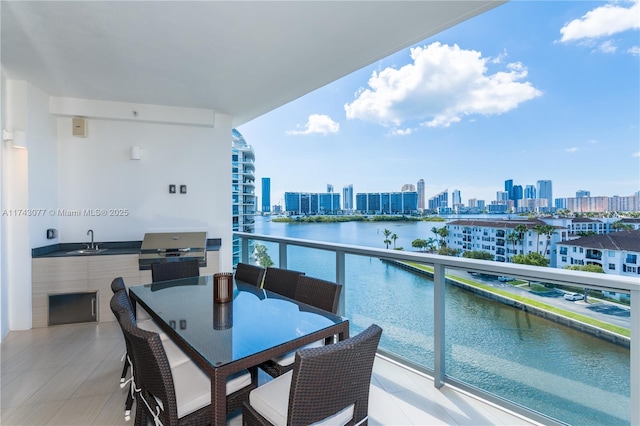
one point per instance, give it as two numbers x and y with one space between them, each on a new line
114 248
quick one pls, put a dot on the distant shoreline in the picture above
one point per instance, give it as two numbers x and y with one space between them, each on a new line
356 218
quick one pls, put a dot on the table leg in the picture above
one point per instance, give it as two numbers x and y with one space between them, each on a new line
218 399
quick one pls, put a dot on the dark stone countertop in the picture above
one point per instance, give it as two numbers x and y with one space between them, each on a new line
113 248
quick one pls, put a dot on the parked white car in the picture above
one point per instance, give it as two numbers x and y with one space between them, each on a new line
505 279
573 296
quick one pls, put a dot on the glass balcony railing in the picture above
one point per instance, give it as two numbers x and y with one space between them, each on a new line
522 352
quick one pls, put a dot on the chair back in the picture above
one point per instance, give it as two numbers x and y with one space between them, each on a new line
318 293
166 271
281 281
152 374
121 306
117 284
250 274
330 378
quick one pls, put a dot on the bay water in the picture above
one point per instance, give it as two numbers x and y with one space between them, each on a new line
568 375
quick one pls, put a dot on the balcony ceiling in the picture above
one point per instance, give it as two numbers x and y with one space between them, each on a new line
238 58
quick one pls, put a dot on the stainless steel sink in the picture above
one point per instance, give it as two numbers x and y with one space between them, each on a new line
88 251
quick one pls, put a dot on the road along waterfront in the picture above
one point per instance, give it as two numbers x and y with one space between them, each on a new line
543 365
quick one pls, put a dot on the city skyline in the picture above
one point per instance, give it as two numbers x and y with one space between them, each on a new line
528 91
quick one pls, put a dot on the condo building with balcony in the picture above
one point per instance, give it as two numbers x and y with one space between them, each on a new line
618 253
243 189
494 236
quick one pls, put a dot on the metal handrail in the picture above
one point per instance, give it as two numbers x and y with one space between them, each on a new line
606 282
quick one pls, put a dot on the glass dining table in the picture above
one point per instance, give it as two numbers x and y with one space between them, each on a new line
225 338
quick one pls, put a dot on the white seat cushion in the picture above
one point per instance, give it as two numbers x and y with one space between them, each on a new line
175 355
150 325
193 387
289 358
271 400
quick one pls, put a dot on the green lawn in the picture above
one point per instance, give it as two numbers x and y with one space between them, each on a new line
530 302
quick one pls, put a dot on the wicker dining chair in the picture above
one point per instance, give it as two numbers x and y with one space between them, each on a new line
314 292
117 285
328 384
166 271
318 293
281 281
250 274
174 395
121 307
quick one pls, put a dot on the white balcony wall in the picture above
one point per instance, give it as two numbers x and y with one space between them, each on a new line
59 171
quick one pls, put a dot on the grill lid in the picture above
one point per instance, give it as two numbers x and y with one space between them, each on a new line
172 246
173 241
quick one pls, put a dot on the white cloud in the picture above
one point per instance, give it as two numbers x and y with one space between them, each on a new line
635 50
636 154
402 132
602 21
317 123
607 47
443 84
572 149
592 141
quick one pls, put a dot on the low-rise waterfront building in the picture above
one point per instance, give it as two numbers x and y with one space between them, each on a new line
617 253
502 239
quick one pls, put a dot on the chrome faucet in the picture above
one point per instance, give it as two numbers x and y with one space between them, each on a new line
92 246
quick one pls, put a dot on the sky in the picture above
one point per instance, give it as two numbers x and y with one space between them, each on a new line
531 90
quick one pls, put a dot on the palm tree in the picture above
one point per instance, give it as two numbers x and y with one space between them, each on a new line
387 241
430 244
394 237
549 230
521 230
435 231
540 230
513 238
444 233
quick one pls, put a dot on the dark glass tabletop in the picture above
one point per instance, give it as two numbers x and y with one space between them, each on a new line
256 319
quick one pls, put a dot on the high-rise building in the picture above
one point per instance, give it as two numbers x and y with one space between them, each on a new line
266 195
502 196
456 199
347 197
529 192
545 191
582 193
387 202
560 203
508 188
243 190
516 194
421 194
408 187
311 203
439 201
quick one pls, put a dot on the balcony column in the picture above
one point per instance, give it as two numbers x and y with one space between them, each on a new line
244 249
438 322
282 254
634 358
340 279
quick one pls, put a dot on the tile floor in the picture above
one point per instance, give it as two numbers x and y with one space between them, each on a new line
69 375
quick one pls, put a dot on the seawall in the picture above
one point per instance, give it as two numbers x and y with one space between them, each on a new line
560 319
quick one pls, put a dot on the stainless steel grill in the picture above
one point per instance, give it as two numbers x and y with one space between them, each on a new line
172 247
